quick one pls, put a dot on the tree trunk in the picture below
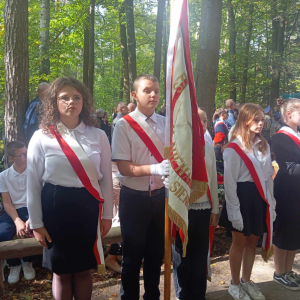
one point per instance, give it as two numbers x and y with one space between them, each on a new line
121 91
246 58
278 28
232 50
131 41
44 37
123 36
91 47
85 77
158 37
16 68
206 74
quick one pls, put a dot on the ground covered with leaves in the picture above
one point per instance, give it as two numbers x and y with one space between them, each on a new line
40 287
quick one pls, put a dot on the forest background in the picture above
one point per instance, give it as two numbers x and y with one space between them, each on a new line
240 49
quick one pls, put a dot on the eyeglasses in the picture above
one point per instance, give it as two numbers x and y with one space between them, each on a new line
65 99
23 155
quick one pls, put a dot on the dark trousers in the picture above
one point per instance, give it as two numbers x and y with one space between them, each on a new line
189 273
142 224
8 231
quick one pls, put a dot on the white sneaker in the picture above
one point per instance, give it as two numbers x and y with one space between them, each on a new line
252 290
14 274
237 292
29 272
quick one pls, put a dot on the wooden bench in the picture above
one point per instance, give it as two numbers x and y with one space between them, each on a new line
26 247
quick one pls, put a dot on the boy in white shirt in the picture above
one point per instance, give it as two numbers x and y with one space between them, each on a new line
142 196
13 187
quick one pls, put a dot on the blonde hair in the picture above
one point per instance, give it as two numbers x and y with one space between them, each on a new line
288 105
246 116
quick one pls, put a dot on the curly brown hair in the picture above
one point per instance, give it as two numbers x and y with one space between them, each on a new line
49 114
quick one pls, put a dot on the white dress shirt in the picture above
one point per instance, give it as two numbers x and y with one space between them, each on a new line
211 169
235 170
208 139
127 145
15 184
46 162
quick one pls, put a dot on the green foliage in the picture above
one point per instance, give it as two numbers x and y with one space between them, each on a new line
68 19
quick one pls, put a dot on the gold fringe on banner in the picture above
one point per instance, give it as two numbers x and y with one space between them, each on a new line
101 269
267 254
178 221
166 152
199 189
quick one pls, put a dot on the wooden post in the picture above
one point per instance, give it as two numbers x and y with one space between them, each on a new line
168 240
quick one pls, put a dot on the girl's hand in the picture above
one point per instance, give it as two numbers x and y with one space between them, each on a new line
214 219
41 234
105 226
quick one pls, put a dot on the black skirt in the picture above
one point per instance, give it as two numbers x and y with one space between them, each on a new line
70 216
253 209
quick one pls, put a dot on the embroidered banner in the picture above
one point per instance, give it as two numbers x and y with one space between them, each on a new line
184 132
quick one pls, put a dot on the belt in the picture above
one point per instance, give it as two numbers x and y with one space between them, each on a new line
144 193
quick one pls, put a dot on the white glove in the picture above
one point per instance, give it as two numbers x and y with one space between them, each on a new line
238 224
166 182
161 169
274 215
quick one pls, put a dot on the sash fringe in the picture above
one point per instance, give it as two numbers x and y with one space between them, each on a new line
101 269
266 255
178 221
199 189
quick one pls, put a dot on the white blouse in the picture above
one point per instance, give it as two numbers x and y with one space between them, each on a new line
46 162
235 170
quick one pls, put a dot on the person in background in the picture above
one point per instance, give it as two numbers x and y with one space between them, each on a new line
122 110
203 117
31 123
277 124
131 107
13 187
236 110
189 272
230 105
100 114
162 111
286 147
220 123
219 142
268 122
115 112
106 126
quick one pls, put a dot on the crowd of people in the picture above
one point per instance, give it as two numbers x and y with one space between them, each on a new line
76 180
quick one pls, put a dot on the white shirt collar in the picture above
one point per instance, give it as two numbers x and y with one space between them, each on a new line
80 128
153 117
15 173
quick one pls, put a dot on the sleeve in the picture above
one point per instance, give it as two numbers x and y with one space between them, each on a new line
3 186
232 165
35 171
270 182
214 184
283 148
106 181
121 148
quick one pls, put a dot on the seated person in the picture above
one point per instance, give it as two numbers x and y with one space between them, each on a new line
13 186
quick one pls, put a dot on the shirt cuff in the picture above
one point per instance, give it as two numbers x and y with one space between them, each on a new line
121 157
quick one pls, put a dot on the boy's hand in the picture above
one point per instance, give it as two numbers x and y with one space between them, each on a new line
214 219
21 227
41 234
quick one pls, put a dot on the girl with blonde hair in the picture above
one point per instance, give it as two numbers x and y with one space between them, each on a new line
249 209
286 146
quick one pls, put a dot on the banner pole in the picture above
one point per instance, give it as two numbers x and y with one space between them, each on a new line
167 260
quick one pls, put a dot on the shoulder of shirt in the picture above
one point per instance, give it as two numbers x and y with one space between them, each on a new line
160 117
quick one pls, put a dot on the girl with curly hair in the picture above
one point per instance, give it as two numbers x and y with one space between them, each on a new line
63 202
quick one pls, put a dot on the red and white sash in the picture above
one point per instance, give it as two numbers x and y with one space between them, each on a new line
260 182
291 134
146 134
219 123
87 175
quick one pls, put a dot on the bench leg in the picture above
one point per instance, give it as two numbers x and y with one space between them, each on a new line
1 280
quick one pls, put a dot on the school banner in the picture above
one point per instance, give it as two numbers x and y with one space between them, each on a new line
184 133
